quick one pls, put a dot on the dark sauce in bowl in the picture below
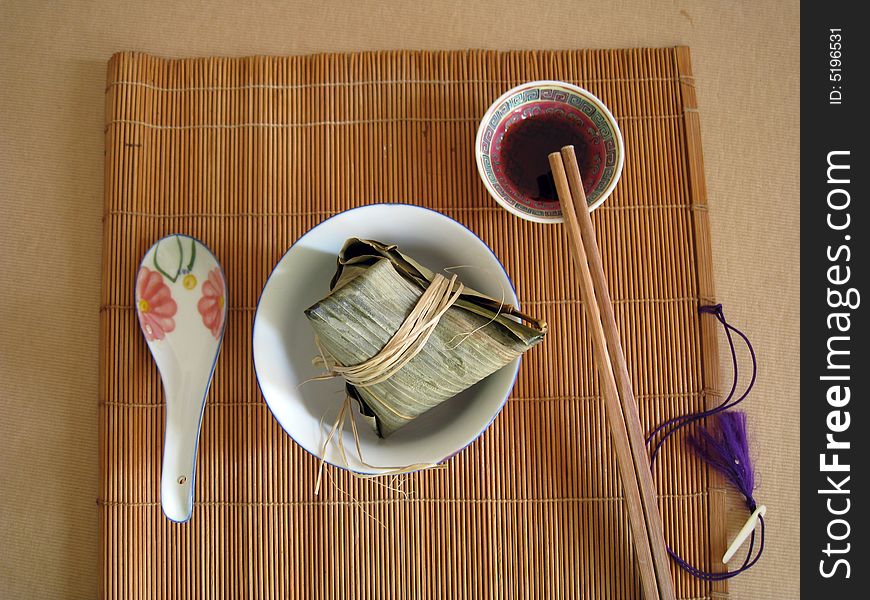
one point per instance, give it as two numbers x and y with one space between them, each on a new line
525 148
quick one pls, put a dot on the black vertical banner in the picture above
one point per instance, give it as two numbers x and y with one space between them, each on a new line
835 348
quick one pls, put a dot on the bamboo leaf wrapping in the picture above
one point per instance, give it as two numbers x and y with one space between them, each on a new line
374 289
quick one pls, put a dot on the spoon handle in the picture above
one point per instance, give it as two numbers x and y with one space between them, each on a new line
185 402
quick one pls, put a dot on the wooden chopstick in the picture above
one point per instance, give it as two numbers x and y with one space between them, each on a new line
655 527
636 477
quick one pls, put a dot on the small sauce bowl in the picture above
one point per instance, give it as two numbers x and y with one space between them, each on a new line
564 110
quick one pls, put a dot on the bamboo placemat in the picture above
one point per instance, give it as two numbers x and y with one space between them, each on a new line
244 154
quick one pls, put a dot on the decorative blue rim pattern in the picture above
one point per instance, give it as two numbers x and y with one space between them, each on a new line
548 91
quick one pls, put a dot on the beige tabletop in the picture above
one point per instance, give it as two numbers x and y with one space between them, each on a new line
745 56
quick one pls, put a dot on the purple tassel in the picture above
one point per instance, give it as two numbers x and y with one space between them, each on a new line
726 449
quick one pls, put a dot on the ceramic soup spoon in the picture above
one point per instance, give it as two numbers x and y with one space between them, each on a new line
181 304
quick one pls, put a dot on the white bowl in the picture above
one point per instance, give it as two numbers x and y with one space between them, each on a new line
540 98
283 340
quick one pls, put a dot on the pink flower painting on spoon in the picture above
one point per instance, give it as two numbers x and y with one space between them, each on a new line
211 304
154 304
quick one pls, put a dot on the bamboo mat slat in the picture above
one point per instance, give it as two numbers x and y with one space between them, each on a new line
244 154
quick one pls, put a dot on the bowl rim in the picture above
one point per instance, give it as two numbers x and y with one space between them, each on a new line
509 297
557 84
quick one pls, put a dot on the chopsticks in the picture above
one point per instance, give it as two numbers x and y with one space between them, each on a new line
621 409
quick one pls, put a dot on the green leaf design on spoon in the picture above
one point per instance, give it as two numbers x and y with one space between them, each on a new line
172 278
166 273
192 255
